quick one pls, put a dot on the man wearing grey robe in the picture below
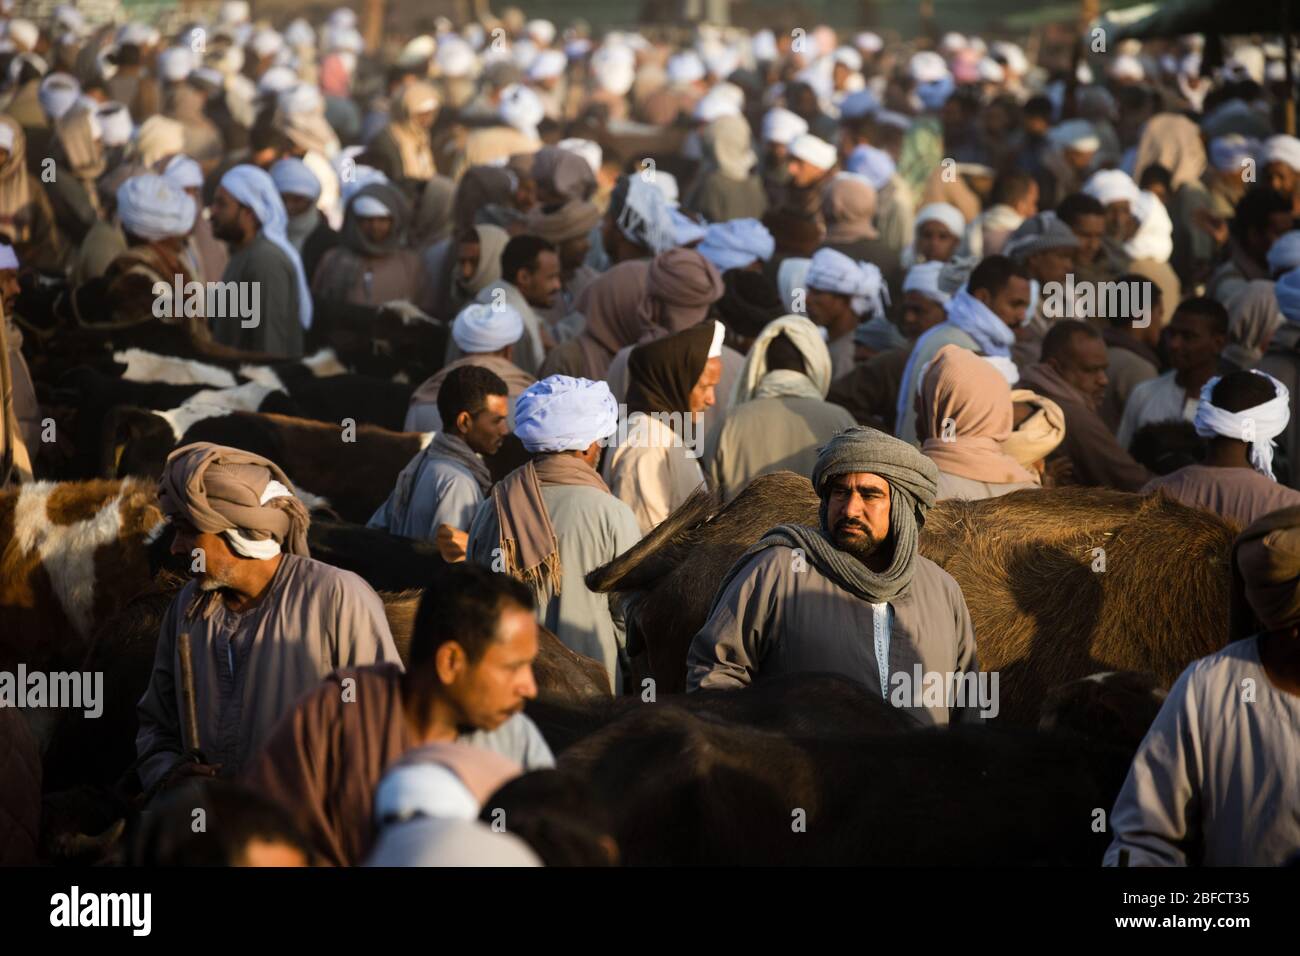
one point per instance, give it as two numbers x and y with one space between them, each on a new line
851 597
257 647
560 502
1216 781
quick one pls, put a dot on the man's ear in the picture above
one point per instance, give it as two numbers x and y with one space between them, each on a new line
450 661
464 422
984 296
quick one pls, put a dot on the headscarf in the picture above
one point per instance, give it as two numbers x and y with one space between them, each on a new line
300 116
183 172
970 417
610 304
246 497
57 94
481 186
157 138
1039 434
862 282
750 301
16 203
754 375
1258 426
991 334
736 243
1284 253
849 207
1253 318
432 217
791 278
680 286
152 208
874 165
642 215
879 335
1173 141
727 142
252 187
946 214
924 278
561 413
76 130
1266 574
564 172
558 223
663 373
912 481
413 139
348 270
491 242
482 328
1154 238
1039 233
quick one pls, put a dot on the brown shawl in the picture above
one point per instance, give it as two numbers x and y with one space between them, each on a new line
610 305
528 541
662 374
413 139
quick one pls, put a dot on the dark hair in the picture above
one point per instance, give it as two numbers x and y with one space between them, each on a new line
556 813
521 252
1254 208
1069 209
466 389
1060 337
465 606
1209 308
1164 447
1238 391
1156 175
1038 106
1012 186
993 274
234 815
468 236
784 354
1138 286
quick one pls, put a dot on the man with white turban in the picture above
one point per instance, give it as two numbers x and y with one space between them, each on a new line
307 229
638 223
249 214
1241 414
737 244
852 596
779 416
842 293
811 165
1075 144
1280 157
519 111
486 336
1196 792
265 621
438 491
553 520
202 250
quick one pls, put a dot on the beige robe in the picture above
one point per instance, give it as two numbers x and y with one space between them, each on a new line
652 472
764 435
1238 494
250 668
780 615
394 277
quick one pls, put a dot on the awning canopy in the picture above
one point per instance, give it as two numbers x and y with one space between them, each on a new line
1180 17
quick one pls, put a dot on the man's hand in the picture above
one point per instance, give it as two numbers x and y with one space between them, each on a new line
452 543
186 769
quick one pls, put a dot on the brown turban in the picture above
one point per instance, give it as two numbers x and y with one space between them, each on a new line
1266 574
680 287
562 221
220 489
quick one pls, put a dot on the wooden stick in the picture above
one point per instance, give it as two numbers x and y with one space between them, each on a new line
189 702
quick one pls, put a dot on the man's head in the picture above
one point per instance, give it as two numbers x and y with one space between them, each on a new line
231 220
939 228
704 394
213 563
375 228
247 829
9 287
1196 334
1237 392
1017 189
1086 217
1002 285
1140 290
468 247
783 355
473 402
920 313
857 512
531 265
1158 180
472 647
1076 351
1262 215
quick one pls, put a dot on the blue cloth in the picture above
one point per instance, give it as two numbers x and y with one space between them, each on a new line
562 413
736 243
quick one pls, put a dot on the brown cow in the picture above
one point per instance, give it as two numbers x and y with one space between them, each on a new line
1060 584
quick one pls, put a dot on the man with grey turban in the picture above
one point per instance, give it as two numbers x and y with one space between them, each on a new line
551 521
852 596
265 622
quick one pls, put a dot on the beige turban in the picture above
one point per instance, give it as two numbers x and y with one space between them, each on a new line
1040 433
1266 574
219 489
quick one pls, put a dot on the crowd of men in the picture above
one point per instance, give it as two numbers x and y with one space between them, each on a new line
890 265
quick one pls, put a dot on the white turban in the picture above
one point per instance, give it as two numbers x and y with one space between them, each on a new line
858 104
927 67
292 176
1284 254
561 413
183 172
588 150
253 187
300 34
1126 67
814 151
805 336
946 213
790 279
1282 149
6 137
267 43
548 65
849 57
1012 56
764 46
175 63
685 229
667 184
1076 134
715 105
645 218
1227 152
869 42
521 108
614 73
114 124
233 12
685 67
369 207
276 80
57 94
152 208
782 126
8 259
1112 185
542 31
24 33
1258 425
1154 238
832 271
874 165
990 71
924 278
482 328
455 58
736 243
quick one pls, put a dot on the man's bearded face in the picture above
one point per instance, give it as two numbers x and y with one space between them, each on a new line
857 513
